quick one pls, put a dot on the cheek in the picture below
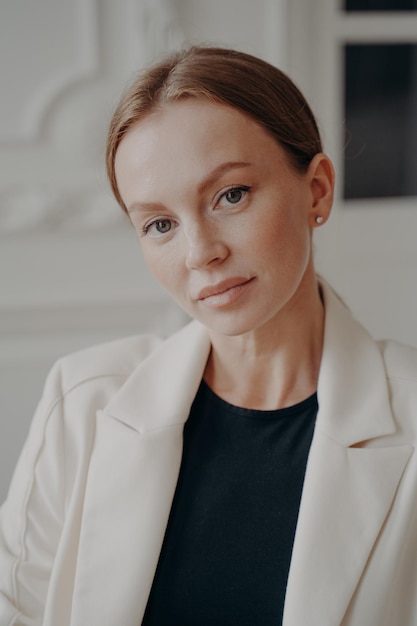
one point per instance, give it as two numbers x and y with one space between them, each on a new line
162 264
284 241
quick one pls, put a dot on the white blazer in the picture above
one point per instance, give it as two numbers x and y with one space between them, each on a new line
82 528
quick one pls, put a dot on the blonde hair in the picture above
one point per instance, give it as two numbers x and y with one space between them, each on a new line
225 76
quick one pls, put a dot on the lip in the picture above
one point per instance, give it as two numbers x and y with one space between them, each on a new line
225 292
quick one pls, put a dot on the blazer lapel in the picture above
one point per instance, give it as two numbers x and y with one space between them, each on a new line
347 495
352 475
131 482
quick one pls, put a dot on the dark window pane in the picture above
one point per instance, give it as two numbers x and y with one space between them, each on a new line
380 5
381 120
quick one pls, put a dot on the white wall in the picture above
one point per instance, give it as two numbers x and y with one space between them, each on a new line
70 269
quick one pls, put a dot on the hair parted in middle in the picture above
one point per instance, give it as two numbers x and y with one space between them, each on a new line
225 76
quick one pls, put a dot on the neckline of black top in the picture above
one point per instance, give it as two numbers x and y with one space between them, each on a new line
299 407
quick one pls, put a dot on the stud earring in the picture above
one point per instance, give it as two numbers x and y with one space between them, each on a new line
319 219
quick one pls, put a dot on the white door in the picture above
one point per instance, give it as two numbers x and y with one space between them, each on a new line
368 249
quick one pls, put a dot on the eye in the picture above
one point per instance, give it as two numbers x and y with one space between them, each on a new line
162 226
234 195
157 227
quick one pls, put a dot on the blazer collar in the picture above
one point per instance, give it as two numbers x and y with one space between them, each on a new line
162 388
352 475
131 481
352 390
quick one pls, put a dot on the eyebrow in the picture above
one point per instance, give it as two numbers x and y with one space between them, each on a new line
217 173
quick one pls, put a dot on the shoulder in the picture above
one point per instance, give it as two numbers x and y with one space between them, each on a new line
401 374
400 360
104 366
94 375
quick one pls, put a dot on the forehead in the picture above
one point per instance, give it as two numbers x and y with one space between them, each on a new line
192 126
195 110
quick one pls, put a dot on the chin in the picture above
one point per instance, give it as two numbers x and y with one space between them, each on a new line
229 325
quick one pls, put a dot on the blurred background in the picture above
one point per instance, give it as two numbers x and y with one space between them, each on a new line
71 273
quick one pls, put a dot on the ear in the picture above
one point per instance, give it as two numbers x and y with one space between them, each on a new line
320 176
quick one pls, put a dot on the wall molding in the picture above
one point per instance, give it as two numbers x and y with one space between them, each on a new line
45 208
86 65
276 32
156 28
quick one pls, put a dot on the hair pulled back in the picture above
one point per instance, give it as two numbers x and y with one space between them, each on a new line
240 80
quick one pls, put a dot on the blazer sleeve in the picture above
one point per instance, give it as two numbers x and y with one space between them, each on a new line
32 516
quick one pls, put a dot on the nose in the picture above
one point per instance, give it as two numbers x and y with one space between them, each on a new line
204 247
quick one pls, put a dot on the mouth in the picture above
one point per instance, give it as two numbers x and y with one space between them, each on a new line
225 292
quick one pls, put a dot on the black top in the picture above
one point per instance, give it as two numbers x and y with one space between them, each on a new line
228 544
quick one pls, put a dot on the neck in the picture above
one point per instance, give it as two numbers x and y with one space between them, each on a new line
272 367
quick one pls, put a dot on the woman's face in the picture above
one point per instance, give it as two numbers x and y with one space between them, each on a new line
223 219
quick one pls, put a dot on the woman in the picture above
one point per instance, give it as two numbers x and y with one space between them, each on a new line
256 467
